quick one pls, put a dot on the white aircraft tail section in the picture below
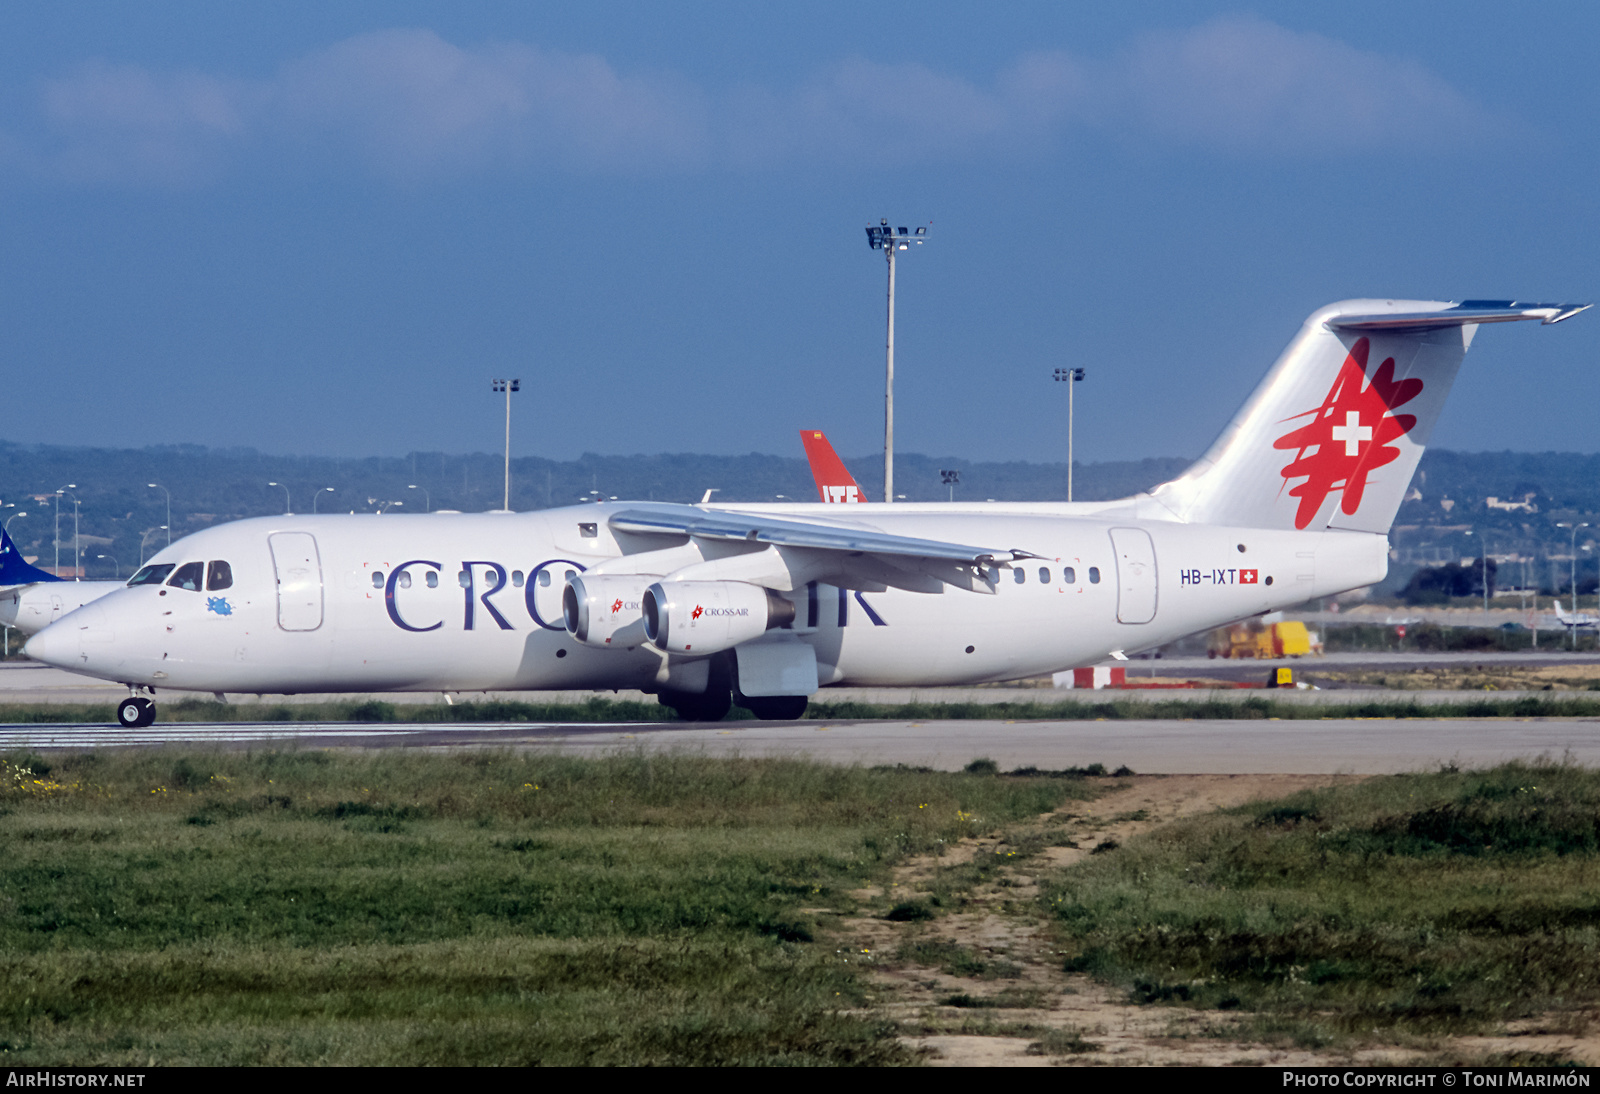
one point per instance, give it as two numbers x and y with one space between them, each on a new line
1332 435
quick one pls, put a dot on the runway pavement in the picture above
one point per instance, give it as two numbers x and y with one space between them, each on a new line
26 683
1358 746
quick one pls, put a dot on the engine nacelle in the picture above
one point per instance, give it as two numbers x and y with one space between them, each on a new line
603 610
710 616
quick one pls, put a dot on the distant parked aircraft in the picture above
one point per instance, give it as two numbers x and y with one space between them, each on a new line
31 599
1576 620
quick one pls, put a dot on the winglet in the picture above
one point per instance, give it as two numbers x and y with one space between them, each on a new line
834 482
14 570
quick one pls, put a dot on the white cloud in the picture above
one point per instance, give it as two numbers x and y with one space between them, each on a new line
411 105
1249 85
415 103
113 121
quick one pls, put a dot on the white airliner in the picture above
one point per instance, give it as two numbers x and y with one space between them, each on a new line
31 599
1575 620
1293 502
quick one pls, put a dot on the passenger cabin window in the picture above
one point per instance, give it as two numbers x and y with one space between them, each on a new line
377 581
1070 576
1044 575
544 579
153 574
219 575
405 579
516 579
433 579
189 576
1019 575
1094 575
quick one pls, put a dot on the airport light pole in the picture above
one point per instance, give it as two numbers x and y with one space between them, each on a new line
952 479
1572 632
318 497
145 539
288 509
888 240
168 493
56 533
1072 377
508 386
13 517
427 496
77 544
116 567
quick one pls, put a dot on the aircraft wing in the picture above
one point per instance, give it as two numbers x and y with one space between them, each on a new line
851 557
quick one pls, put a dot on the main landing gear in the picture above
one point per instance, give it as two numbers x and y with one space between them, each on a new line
713 704
774 708
136 712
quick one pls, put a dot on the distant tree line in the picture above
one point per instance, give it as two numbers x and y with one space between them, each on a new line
121 517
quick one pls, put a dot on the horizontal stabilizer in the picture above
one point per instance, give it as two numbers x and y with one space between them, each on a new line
1468 311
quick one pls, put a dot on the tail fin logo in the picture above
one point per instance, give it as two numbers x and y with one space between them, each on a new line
1349 435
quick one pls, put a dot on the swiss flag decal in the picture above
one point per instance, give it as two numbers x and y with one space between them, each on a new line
1247 577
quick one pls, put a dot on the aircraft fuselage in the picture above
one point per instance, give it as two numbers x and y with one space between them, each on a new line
474 602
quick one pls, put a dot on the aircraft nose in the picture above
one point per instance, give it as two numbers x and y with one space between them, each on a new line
70 640
55 645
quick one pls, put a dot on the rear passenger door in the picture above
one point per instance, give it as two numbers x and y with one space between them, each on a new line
1136 575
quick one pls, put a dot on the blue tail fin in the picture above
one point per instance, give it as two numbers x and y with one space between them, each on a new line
13 569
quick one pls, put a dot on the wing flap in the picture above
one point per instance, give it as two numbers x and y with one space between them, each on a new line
849 557
748 528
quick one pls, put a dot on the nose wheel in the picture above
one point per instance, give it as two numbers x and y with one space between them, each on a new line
136 712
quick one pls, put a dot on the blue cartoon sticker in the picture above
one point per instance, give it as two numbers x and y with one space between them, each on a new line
219 604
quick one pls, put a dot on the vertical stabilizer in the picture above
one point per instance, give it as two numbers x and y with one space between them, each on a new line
834 482
1332 435
14 570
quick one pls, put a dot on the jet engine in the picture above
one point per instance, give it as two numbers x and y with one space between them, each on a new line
709 616
603 610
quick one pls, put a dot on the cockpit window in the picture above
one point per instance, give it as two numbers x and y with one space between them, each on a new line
189 576
219 575
153 574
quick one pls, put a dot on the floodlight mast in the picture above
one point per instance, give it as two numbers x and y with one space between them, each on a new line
1071 376
889 240
508 386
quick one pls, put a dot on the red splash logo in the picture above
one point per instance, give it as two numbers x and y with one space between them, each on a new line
616 605
1349 435
697 613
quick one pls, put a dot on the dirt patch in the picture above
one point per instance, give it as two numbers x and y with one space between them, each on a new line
1488 676
980 982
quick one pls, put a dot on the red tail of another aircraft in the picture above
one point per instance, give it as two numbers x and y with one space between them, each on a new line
834 483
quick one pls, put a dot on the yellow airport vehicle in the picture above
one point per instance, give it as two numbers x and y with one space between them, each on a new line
1264 641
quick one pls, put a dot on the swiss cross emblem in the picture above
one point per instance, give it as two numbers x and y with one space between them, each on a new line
1349 435
1248 577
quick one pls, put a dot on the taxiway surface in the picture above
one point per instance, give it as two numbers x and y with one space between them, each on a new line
1328 746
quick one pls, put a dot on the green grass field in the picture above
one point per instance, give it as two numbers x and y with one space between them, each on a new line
1398 908
280 907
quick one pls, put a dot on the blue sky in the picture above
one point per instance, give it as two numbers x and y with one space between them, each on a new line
323 228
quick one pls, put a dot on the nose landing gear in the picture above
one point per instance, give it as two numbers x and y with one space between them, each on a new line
136 712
